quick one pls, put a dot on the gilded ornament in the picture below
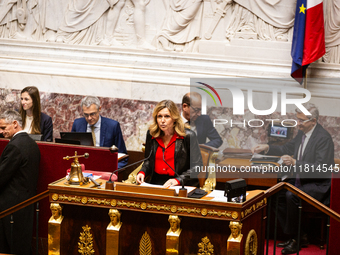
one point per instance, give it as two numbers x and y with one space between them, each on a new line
173 208
143 206
204 212
235 228
85 244
145 247
205 247
251 243
84 200
113 202
115 222
55 197
173 235
259 204
234 215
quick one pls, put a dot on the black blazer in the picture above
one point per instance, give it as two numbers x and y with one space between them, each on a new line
46 127
187 156
319 150
206 129
19 168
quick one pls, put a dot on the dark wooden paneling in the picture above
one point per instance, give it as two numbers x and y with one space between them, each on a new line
156 225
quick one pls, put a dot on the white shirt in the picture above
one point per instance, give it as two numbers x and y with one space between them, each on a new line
28 124
21 131
96 130
308 135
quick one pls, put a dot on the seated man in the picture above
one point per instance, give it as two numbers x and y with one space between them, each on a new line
312 148
200 124
106 131
19 171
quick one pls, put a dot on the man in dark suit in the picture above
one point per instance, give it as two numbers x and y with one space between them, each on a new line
19 170
106 132
200 124
312 148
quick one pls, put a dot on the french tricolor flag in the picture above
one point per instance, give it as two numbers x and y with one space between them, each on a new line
309 36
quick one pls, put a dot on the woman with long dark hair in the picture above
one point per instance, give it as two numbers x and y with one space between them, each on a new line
33 120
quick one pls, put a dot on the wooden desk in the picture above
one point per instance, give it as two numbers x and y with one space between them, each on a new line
149 213
255 179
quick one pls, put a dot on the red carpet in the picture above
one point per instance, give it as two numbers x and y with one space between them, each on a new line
310 250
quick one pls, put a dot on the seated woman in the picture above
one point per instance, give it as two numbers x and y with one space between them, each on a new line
170 141
33 120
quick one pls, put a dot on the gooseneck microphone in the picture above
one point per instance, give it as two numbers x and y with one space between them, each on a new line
182 191
109 183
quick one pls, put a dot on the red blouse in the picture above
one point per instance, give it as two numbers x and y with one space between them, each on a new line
169 156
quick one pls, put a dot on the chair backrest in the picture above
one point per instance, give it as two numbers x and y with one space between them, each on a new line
131 173
208 180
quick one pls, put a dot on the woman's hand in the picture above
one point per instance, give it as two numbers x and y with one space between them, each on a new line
140 178
170 183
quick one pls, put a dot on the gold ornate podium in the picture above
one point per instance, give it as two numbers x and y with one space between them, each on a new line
142 223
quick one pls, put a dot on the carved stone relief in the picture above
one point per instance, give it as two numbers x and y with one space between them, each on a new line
166 25
332 31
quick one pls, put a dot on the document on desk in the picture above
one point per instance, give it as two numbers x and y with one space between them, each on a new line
217 195
120 155
176 188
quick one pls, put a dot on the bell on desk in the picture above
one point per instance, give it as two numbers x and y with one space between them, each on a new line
76 175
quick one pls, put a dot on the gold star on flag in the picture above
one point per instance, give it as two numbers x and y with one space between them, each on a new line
302 9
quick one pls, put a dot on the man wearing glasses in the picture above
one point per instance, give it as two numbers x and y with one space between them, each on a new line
200 124
106 132
311 149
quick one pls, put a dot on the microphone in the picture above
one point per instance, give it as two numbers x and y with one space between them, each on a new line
182 191
109 183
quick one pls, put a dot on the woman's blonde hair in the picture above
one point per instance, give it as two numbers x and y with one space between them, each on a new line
179 125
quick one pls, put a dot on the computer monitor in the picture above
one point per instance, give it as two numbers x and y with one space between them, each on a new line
36 137
67 141
278 131
85 138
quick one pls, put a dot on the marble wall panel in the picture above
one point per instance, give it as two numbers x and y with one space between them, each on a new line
135 116
240 136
